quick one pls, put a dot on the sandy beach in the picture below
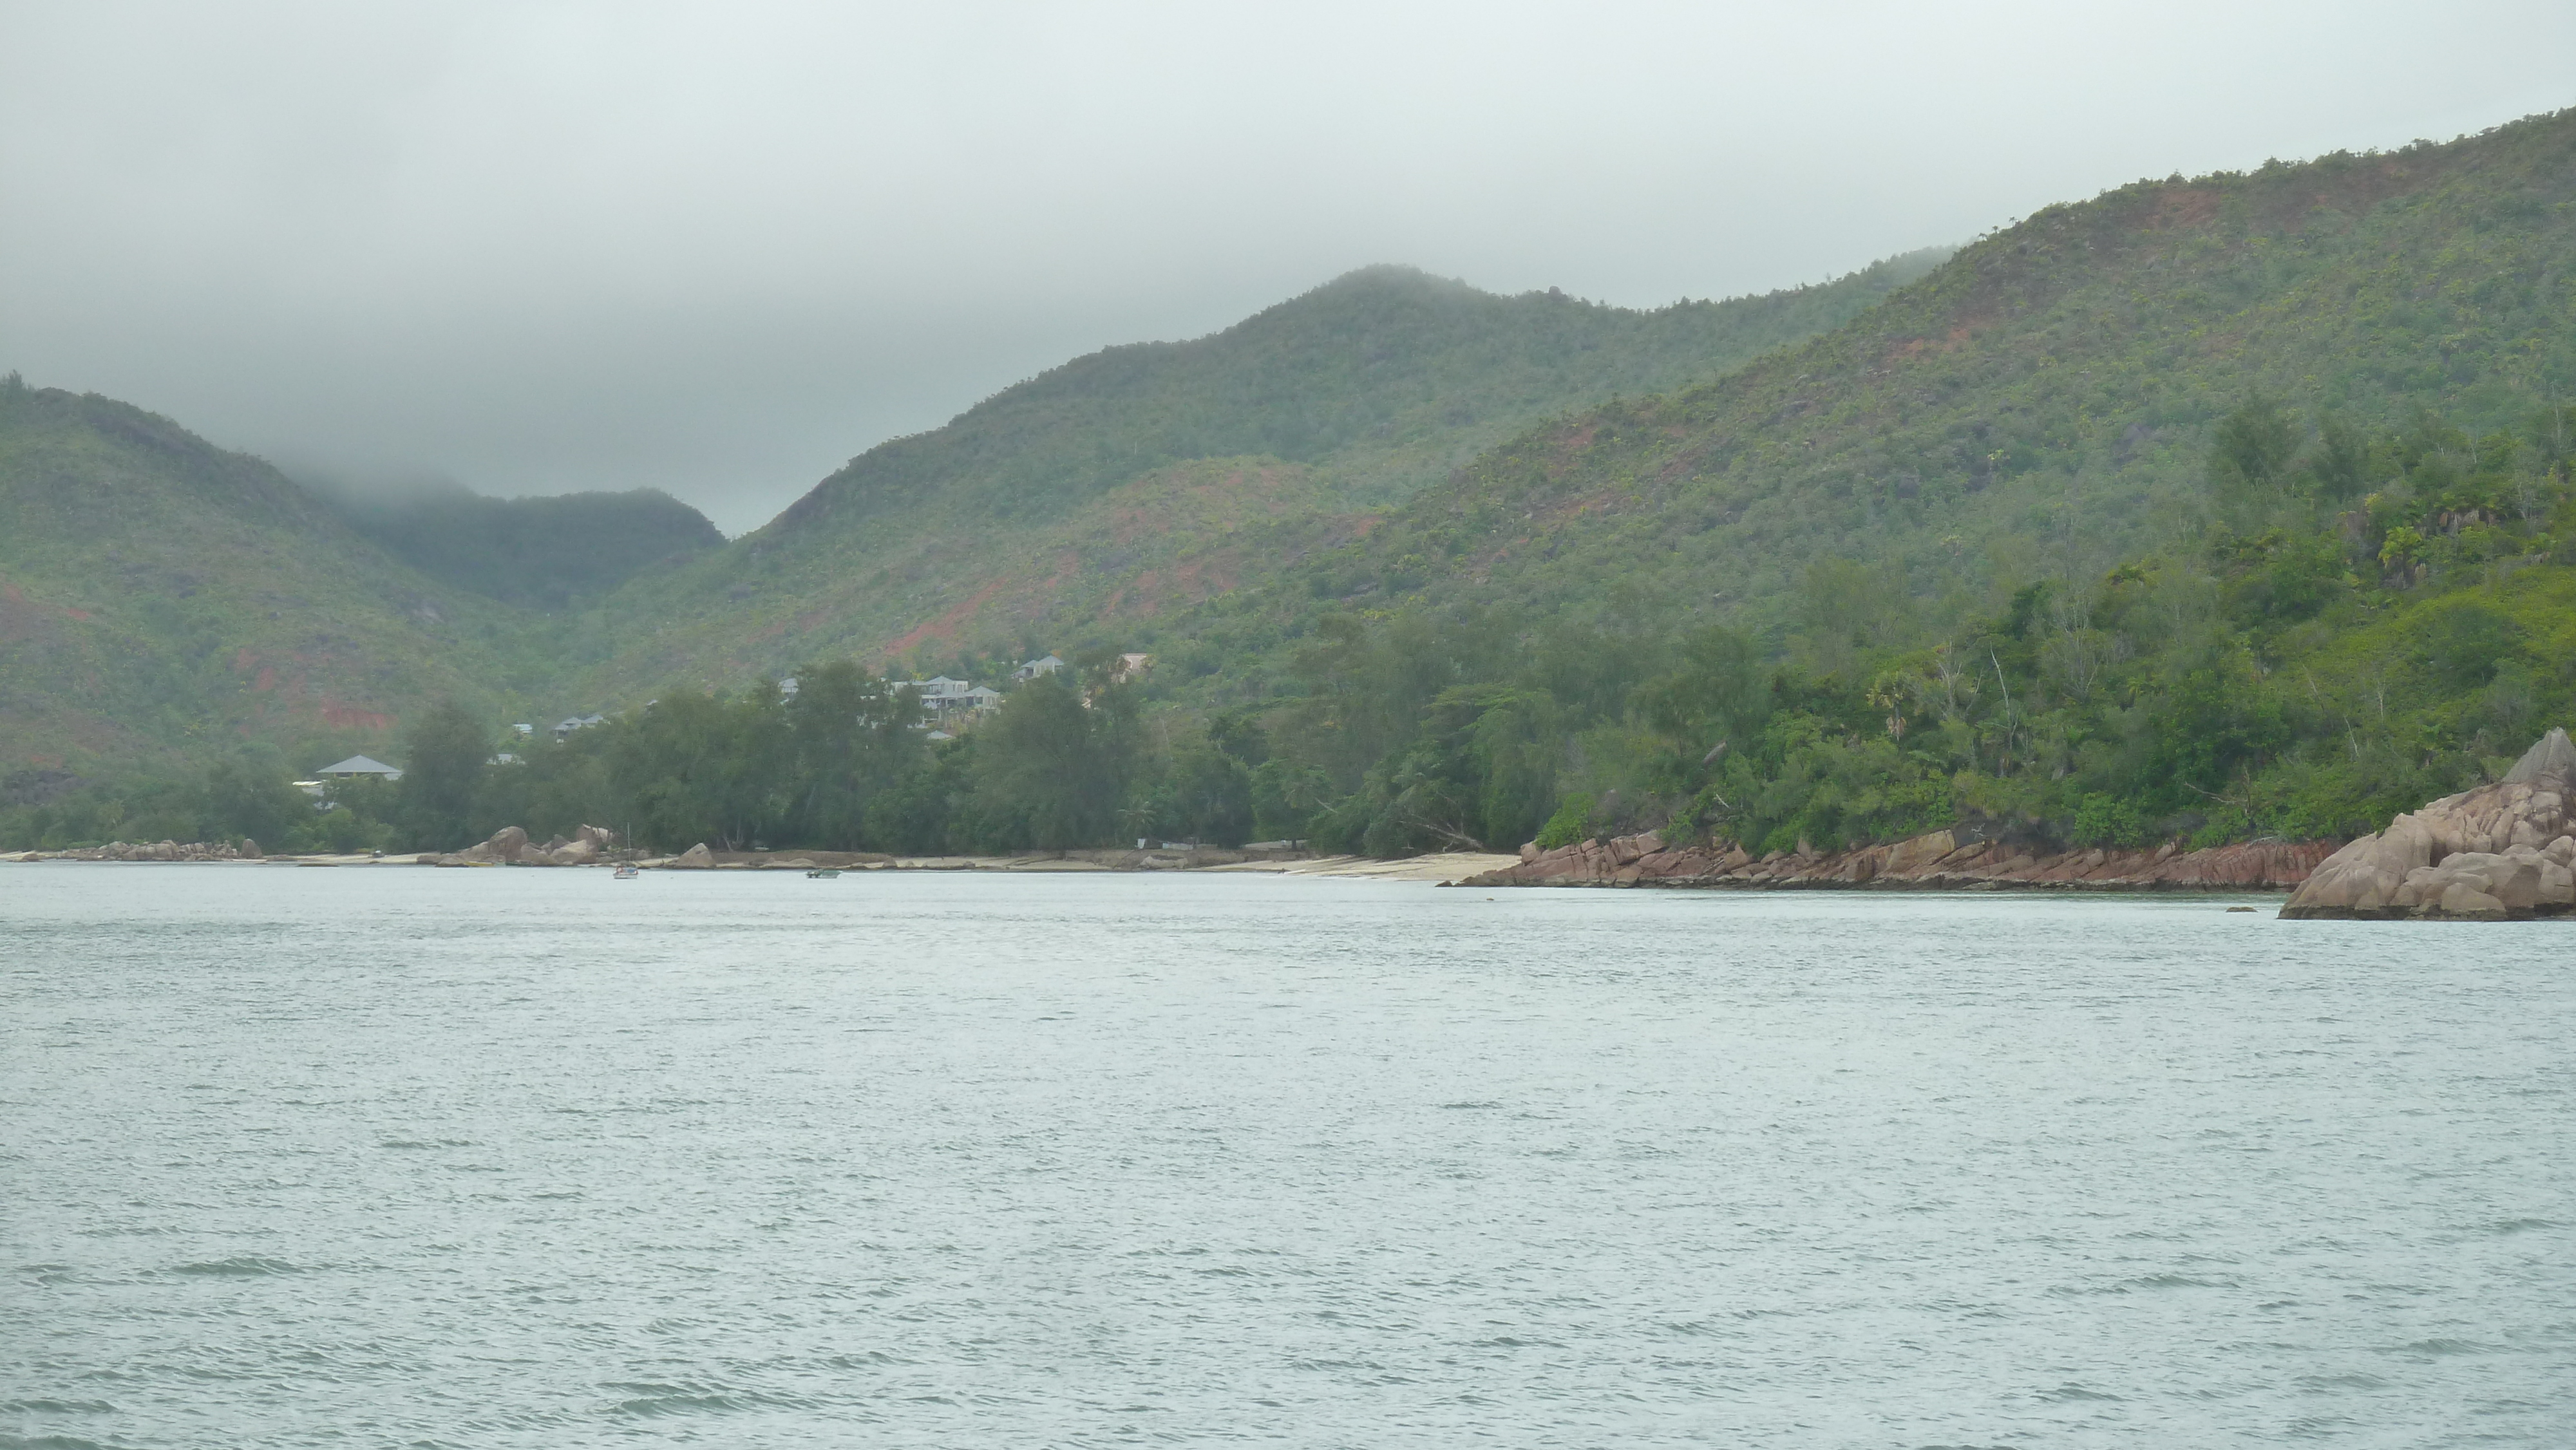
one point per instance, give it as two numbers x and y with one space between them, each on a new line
1440 868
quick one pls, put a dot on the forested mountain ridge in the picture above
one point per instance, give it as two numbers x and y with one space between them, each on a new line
549 552
2209 508
1025 521
2212 507
163 601
167 602
2038 406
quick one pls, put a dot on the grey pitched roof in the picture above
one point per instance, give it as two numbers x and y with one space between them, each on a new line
360 765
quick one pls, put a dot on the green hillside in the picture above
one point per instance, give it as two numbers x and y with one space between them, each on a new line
547 553
2038 407
2228 505
2365 621
163 602
1038 515
2206 509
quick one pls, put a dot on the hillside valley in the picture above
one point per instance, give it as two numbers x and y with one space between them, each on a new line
164 602
2209 509
550 552
1121 486
2038 408
169 602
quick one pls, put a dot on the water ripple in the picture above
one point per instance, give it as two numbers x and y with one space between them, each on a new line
524 1159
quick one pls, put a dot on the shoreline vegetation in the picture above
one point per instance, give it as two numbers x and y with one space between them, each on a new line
1447 868
2204 514
2305 668
1937 862
2500 852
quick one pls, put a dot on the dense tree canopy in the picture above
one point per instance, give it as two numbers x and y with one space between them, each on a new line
2323 653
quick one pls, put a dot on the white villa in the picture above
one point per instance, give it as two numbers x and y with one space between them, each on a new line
943 698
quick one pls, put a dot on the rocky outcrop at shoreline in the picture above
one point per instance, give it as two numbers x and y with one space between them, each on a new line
1939 861
510 846
597 846
2498 853
248 850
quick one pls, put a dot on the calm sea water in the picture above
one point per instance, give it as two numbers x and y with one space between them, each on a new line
524 1158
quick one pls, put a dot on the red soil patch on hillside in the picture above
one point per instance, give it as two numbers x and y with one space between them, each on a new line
2185 206
949 622
1255 490
1568 447
18 618
27 614
1192 583
351 717
1144 585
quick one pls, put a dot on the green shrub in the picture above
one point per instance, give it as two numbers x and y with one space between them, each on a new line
2102 820
1571 823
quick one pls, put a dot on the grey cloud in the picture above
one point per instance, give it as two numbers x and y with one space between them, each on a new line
718 249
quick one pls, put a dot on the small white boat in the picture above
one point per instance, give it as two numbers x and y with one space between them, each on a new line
625 872
823 873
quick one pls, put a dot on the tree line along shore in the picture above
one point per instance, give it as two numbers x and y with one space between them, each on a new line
2367 622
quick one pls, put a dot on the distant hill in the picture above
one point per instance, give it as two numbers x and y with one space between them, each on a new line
2041 405
1140 479
2214 507
1869 460
1838 469
540 553
162 600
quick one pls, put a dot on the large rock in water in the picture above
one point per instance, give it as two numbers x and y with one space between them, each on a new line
2490 854
510 843
696 858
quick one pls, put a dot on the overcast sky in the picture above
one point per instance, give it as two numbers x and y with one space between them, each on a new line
718 249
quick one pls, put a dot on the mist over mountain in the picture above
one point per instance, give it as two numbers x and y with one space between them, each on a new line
886 621
243 610
2196 468
2038 407
599 247
1122 485
164 601
545 552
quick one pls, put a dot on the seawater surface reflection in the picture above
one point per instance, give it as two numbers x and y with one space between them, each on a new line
528 1158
